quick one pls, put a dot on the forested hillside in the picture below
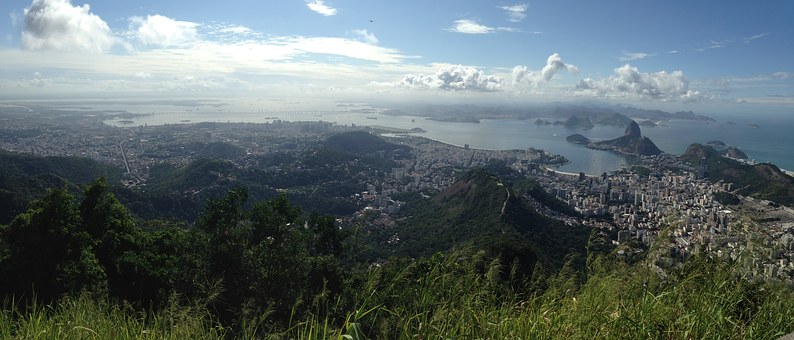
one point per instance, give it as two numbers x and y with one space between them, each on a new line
85 267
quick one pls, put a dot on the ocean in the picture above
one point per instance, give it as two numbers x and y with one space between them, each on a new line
764 140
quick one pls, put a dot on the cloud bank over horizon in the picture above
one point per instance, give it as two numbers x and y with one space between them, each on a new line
628 81
57 48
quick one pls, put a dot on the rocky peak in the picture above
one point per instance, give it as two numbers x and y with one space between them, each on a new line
632 130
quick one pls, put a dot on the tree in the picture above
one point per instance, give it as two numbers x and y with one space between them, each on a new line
49 251
116 239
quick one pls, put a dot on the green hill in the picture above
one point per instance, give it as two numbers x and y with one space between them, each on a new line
577 139
26 177
221 150
575 122
764 181
362 143
482 212
615 119
86 268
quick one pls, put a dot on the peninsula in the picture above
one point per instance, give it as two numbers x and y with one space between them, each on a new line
632 142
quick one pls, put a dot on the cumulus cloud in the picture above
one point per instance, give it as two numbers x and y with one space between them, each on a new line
628 81
522 75
365 36
453 77
631 56
320 7
58 25
161 31
515 13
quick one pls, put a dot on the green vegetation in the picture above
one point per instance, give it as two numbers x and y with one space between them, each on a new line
87 317
578 139
726 198
533 188
641 171
24 178
764 181
362 143
235 259
473 261
322 177
461 295
574 122
479 210
221 150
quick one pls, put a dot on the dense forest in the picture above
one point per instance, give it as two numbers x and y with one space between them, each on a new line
479 265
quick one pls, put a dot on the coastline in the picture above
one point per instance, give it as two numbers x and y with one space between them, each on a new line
507 134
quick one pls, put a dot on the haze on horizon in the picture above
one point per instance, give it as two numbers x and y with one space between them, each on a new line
674 55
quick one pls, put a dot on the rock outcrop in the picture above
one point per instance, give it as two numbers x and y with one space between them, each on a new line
734 152
632 142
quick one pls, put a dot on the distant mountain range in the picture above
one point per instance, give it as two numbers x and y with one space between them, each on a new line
616 115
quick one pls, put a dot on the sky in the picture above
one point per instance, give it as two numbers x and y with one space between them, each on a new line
704 55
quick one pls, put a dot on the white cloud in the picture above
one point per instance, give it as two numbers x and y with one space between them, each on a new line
365 36
340 47
631 56
57 25
320 7
158 30
453 77
470 27
15 16
757 36
672 52
715 45
515 13
236 29
522 75
280 67
628 81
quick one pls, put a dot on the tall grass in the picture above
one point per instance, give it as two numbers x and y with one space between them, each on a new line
464 297
704 300
86 317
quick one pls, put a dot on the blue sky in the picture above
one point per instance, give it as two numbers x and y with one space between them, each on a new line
717 55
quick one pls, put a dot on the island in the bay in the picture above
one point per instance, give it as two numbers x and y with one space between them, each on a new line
632 142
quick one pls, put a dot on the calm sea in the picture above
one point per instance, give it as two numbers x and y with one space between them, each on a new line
762 140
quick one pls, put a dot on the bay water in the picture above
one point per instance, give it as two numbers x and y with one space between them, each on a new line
764 140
